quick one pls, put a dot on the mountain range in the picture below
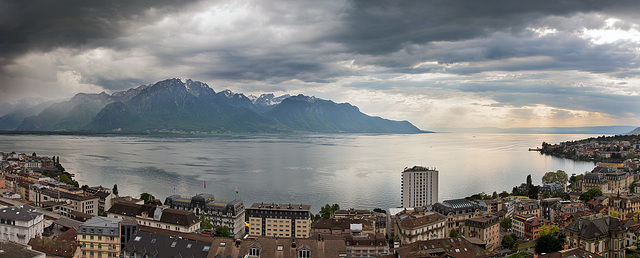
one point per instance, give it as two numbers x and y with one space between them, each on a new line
185 105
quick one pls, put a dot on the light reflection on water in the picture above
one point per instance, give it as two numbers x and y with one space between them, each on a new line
361 171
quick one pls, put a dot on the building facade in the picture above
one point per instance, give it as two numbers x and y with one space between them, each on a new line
220 212
280 220
600 234
419 186
100 237
485 227
19 224
457 212
413 227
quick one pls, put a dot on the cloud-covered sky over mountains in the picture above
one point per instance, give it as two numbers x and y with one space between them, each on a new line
439 64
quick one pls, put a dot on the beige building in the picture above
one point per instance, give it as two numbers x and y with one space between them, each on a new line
419 187
99 237
518 224
485 227
600 234
412 227
595 180
161 217
69 202
280 220
457 212
624 206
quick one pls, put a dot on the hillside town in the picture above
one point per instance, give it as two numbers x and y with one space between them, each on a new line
45 212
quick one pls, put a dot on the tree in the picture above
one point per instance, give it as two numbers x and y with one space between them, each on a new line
558 176
115 189
548 244
222 231
549 229
504 194
507 242
506 223
522 255
494 195
590 194
327 210
529 181
204 222
84 188
34 155
146 197
453 233
614 214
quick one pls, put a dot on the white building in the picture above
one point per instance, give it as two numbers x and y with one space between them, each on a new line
19 224
419 186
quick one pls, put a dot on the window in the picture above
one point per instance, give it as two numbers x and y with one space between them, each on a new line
304 253
254 251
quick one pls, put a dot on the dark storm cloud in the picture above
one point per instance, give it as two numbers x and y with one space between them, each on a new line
385 26
43 25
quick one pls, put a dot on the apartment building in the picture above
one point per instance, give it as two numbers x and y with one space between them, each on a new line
220 212
485 227
100 237
419 186
280 220
19 224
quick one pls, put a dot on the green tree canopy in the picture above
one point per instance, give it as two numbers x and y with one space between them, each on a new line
453 233
327 210
548 244
558 176
508 242
223 231
204 222
506 223
590 194
146 197
115 189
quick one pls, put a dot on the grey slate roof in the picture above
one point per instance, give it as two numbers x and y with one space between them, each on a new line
101 226
589 227
160 245
22 213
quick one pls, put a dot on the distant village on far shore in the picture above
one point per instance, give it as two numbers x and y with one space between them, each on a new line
44 211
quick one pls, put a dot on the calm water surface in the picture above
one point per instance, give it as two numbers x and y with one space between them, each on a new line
360 171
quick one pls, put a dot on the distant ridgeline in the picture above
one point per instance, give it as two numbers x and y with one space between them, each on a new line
186 106
614 149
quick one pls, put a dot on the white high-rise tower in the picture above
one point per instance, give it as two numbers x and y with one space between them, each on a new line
419 186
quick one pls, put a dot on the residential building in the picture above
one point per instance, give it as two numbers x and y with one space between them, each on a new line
599 234
391 216
458 247
148 244
570 253
550 189
353 214
281 247
366 245
70 202
526 206
339 226
457 212
19 224
419 186
595 180
517 224
532 227
494 206
161 217
99 237
485 227
548 207
281 220
411 227
63 245
220 212
624 206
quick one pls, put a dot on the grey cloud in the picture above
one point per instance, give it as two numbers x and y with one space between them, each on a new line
385 26
43 25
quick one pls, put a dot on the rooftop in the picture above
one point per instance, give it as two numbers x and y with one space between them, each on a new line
280 207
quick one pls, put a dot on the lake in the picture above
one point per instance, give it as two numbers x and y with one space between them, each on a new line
353 170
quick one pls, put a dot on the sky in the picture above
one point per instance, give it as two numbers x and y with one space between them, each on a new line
438 64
